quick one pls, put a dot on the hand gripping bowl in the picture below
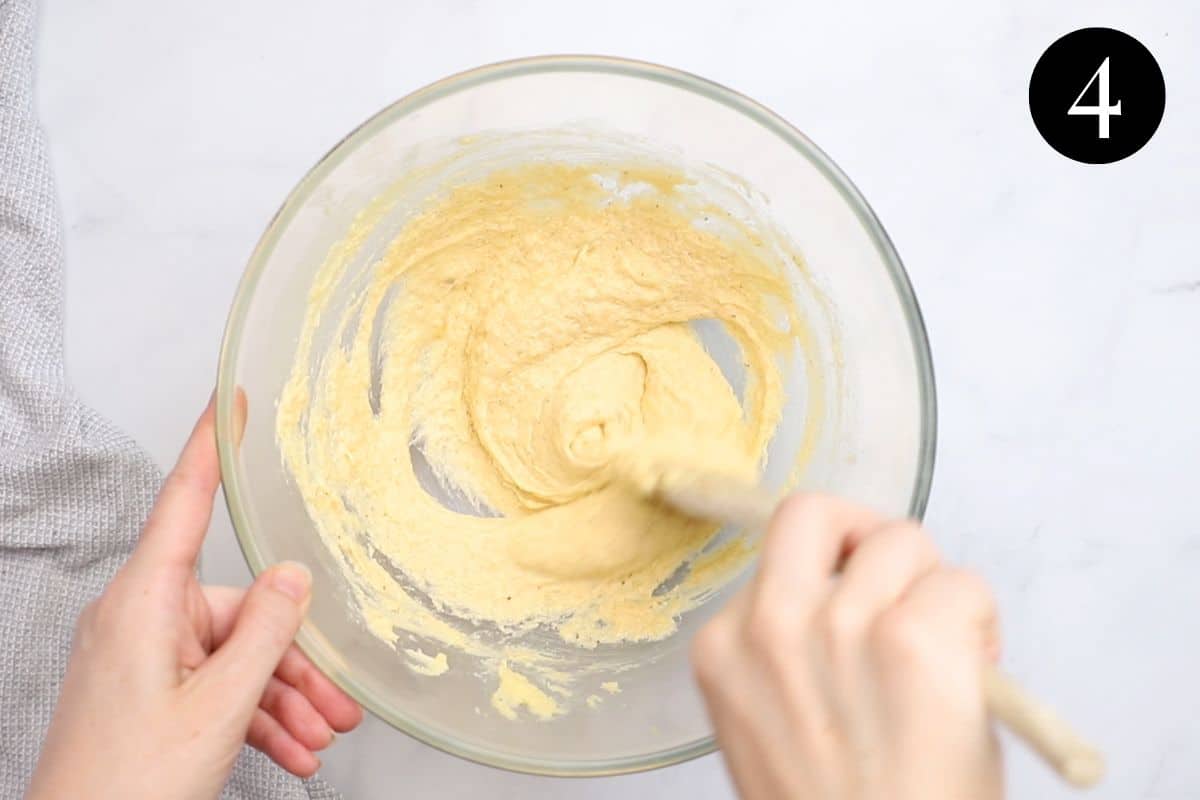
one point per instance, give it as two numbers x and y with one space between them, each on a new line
862 388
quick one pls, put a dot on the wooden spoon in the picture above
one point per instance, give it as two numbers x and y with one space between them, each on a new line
722 499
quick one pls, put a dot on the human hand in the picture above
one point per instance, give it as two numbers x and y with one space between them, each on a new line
168 678
861 687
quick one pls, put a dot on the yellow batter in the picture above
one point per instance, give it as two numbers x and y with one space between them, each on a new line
524 333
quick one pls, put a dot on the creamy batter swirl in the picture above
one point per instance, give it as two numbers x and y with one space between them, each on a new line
522 333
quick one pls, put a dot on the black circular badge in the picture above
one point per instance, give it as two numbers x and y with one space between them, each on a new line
1097 95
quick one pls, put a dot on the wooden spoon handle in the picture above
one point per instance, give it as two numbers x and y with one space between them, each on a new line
750 508
1077 761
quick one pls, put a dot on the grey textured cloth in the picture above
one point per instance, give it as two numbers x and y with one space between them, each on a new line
73 490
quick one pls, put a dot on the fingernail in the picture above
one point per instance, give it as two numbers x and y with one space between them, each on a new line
293 579
239 415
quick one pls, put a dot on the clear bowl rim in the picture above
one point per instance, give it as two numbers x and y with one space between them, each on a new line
309 639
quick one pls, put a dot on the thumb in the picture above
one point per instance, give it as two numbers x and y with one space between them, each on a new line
270 615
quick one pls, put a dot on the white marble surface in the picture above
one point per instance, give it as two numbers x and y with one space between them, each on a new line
1063 301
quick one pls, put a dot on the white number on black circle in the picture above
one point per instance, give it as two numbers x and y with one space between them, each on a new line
1102 110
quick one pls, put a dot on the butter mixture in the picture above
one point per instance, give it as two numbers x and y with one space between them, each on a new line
518 337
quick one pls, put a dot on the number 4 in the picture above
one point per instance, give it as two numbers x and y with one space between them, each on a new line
1102 110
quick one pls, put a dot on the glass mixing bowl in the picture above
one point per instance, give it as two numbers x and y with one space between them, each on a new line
877 426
